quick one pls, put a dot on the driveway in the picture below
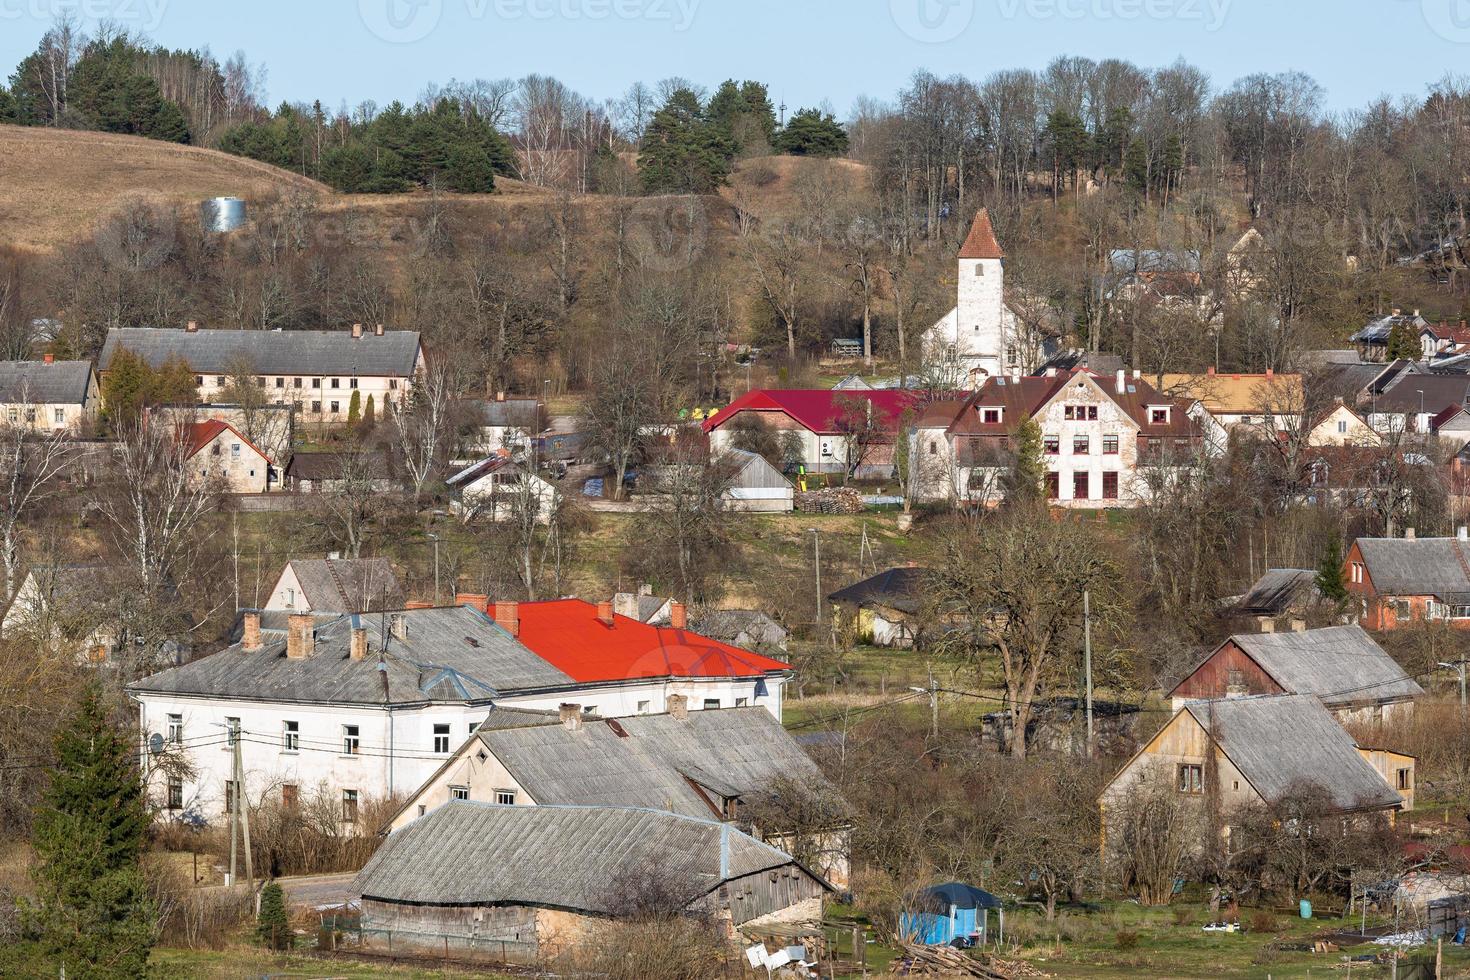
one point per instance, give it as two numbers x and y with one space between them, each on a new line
318 891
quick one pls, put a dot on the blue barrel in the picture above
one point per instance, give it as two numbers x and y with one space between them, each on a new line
1306 909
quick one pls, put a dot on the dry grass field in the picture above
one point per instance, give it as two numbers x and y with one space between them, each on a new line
55 185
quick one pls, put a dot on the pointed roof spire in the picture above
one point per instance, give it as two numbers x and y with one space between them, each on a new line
981 243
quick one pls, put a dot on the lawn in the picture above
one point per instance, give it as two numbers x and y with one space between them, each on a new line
244 961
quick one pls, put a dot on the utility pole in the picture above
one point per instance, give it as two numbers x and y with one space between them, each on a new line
817 563
1087 659
435 538
239 813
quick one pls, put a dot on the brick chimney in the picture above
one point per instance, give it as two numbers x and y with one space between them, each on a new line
508 617
1270 373
300 636
1298 625
357 331
479 603
678 615
378 330
605 613
418 604
48 358
1210 371
678 706
250 640
191 327
571 717
359 646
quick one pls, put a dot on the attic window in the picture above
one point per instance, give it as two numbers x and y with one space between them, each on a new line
979 270
1158 416
482 755
992 416
1191 779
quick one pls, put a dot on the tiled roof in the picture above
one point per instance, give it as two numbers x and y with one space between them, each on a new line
980 243
57 383
197 435
284 352
818 409
1024 397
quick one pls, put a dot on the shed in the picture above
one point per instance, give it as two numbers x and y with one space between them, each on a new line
954 910
886 604
756 485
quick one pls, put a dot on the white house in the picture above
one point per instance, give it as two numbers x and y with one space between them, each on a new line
49 395
509 424
496 488
364 707
335 585
979 338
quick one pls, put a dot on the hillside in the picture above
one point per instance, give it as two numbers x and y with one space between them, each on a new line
58 183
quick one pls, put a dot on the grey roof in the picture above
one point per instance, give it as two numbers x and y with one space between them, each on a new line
650 760
1424 566
580 858
1284 742
330 466
1280 590
751 471
1339 664
1377 331
897 588
323 352
57 383
517 412
730 625
347 585
1439 393
450 655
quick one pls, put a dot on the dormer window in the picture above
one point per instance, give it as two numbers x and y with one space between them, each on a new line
1158 416
991 416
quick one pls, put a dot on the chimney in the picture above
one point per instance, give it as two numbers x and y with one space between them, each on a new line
250 641
378 330
300 636
479 603
191 327
678 706
1210 370
1416 314
1122 382
357 331
605 613
500 396
1463 534
508 617
645 589
418 604
49 358
1137 374
1408 534
1270 373
571 717
359 647
398 627
1268 625
678 615
1298 625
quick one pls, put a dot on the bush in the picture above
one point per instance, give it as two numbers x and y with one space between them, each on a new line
1126 938
273 927
1262 920
199 918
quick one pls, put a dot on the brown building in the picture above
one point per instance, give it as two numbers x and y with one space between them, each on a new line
1399 580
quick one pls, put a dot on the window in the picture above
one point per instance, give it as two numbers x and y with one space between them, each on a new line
992 416
59 415
643 707
295 382
1357 572
176 729
352 383
336 382
219 382
423 809
1081 486
291 736
1053 486
1405 780
234 450
392 384
232 731
1011 358
1081 445
1158 416
1191 779
979 270
1110 445
505 797
290 795
441 738
711 704
14 414
351 741
336 408
1051 445
473 727
1110 486
933 448
316 408
1080 413
175 793
280 382
349 806
459 792
316 382
742 702
199 381
214 450
1342 427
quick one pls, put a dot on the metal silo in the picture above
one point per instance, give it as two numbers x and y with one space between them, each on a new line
223 214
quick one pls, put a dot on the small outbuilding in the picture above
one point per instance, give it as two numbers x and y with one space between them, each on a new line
755 485
943 913
886 606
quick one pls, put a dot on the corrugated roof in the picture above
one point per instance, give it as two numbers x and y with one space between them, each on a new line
583 858
1339 664
1283 743
1424 566
348 585
57 383
286 352
980 243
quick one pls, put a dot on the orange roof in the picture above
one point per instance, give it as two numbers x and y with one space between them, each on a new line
196 435
981 243
567 634
1239 394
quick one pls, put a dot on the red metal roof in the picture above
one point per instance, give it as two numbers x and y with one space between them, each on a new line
818 409
196 435
981 243
567 634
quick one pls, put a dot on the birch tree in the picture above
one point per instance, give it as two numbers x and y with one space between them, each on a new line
30 463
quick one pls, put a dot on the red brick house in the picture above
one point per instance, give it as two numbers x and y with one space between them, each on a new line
1399 580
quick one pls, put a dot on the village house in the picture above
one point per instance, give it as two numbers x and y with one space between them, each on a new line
1353 676
1400 580
215 452
1372 340
738 765
525 883
509 424
884 608
500 489
1340 425
335 585
1223 403
981 337
644 606
1258 751
1103 439
315 371
49 395
1413 402
66 604
371 705
749 629
1280 592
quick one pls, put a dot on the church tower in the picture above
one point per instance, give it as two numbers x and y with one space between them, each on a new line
981 340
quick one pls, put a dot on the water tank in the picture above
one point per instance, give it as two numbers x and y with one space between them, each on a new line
223 214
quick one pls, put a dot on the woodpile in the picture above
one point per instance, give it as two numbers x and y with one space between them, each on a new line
946 961
835 500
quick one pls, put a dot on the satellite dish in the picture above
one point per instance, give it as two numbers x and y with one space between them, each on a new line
155 744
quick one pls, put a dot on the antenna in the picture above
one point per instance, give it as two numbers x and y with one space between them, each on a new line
155 744
783 113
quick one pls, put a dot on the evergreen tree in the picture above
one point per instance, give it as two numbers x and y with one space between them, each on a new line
369 414
1066 138
1332 571
812 133
92 912
1135 165
172 384
128 382
9 109
1403 343
354 408
469 170
683 153
272 925
349 169
1025 483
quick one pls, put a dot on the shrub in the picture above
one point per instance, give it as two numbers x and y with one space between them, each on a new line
1262 920
1126 938
273 927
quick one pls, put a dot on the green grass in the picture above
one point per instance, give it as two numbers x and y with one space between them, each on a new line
243 962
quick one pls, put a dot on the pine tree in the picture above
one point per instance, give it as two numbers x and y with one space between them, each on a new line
369 414
172 384
123 393
1332 571
469 171
92 912
1403 343
272 925
1024 483
354 408
813 133
683 153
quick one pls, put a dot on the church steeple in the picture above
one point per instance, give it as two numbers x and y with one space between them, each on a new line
981 243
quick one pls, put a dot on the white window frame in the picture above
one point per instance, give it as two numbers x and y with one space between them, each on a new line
351 740
290 735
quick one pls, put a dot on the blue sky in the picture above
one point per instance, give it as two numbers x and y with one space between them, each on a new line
806 50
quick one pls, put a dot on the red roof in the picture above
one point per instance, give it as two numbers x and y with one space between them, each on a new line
196 435
567 634
981 243
817 409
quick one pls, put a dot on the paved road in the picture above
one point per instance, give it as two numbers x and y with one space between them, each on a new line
318 890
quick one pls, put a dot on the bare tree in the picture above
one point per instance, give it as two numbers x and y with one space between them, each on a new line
776 259
425 426
31 460
355 500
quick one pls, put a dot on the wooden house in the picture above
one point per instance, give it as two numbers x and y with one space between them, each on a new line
1399 580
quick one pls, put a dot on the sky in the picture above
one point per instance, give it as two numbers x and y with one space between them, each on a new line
808 51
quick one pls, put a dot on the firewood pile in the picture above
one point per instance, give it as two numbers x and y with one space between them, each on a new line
946 961
834 500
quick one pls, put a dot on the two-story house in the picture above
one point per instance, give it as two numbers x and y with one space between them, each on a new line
49 395
1400 580
218 453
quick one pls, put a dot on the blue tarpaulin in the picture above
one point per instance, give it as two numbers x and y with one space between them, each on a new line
943 913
